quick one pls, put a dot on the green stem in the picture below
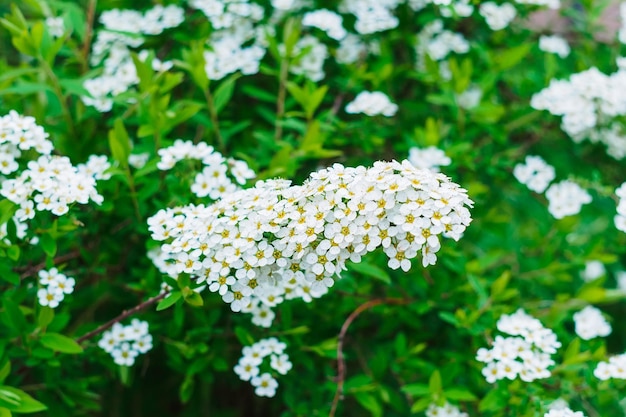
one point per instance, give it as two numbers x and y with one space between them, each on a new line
282 96
210 102
58 91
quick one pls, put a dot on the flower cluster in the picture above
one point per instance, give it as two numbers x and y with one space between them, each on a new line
563 412
428 158
49 183
588 102
620 217
497 16
55 286
525 355
19 134
447 410
554 45
213 181
124 29
248 368
125 343
535 173
566 198
311 54
436 42
371 15
372 104
589 323
329 22
55 26
615 368
469 98
593 270
448 8
275 241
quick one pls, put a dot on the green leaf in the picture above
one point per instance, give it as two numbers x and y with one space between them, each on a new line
48 244
5 370
193 299
45 317
245 338
119 142
416 389
421 405
25 403
504 60
370 403
7 210
14 315
371 270
169 301
434 383
224 92
459 394
60 343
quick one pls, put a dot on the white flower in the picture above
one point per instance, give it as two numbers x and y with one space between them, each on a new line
49 298
555 45
536 174
329 22
566 198
593 270
280 363
372 104
124 354
564 412
428 158
589 323
265 385
497 16
246 369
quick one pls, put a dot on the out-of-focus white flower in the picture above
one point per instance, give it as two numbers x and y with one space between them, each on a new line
431 158
372 104
555 45
589 324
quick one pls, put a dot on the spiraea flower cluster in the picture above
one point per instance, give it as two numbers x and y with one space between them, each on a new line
590 323
237 42
251 363
589 102
497 16
565 198
524 355
125 343
437 42
535 173
563 412
620 217
48 183
447 410
447 8
371 15
123 30
593 270
54 287
276 241
329 22
615 368
554 45
372 104
308 57
431 158
214 180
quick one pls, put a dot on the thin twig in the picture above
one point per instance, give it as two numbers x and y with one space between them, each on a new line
32 270
91 13
125 314
341 363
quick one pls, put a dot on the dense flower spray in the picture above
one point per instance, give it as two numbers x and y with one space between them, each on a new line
251 362
260 246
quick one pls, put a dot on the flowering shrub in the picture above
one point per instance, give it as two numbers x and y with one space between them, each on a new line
165 166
